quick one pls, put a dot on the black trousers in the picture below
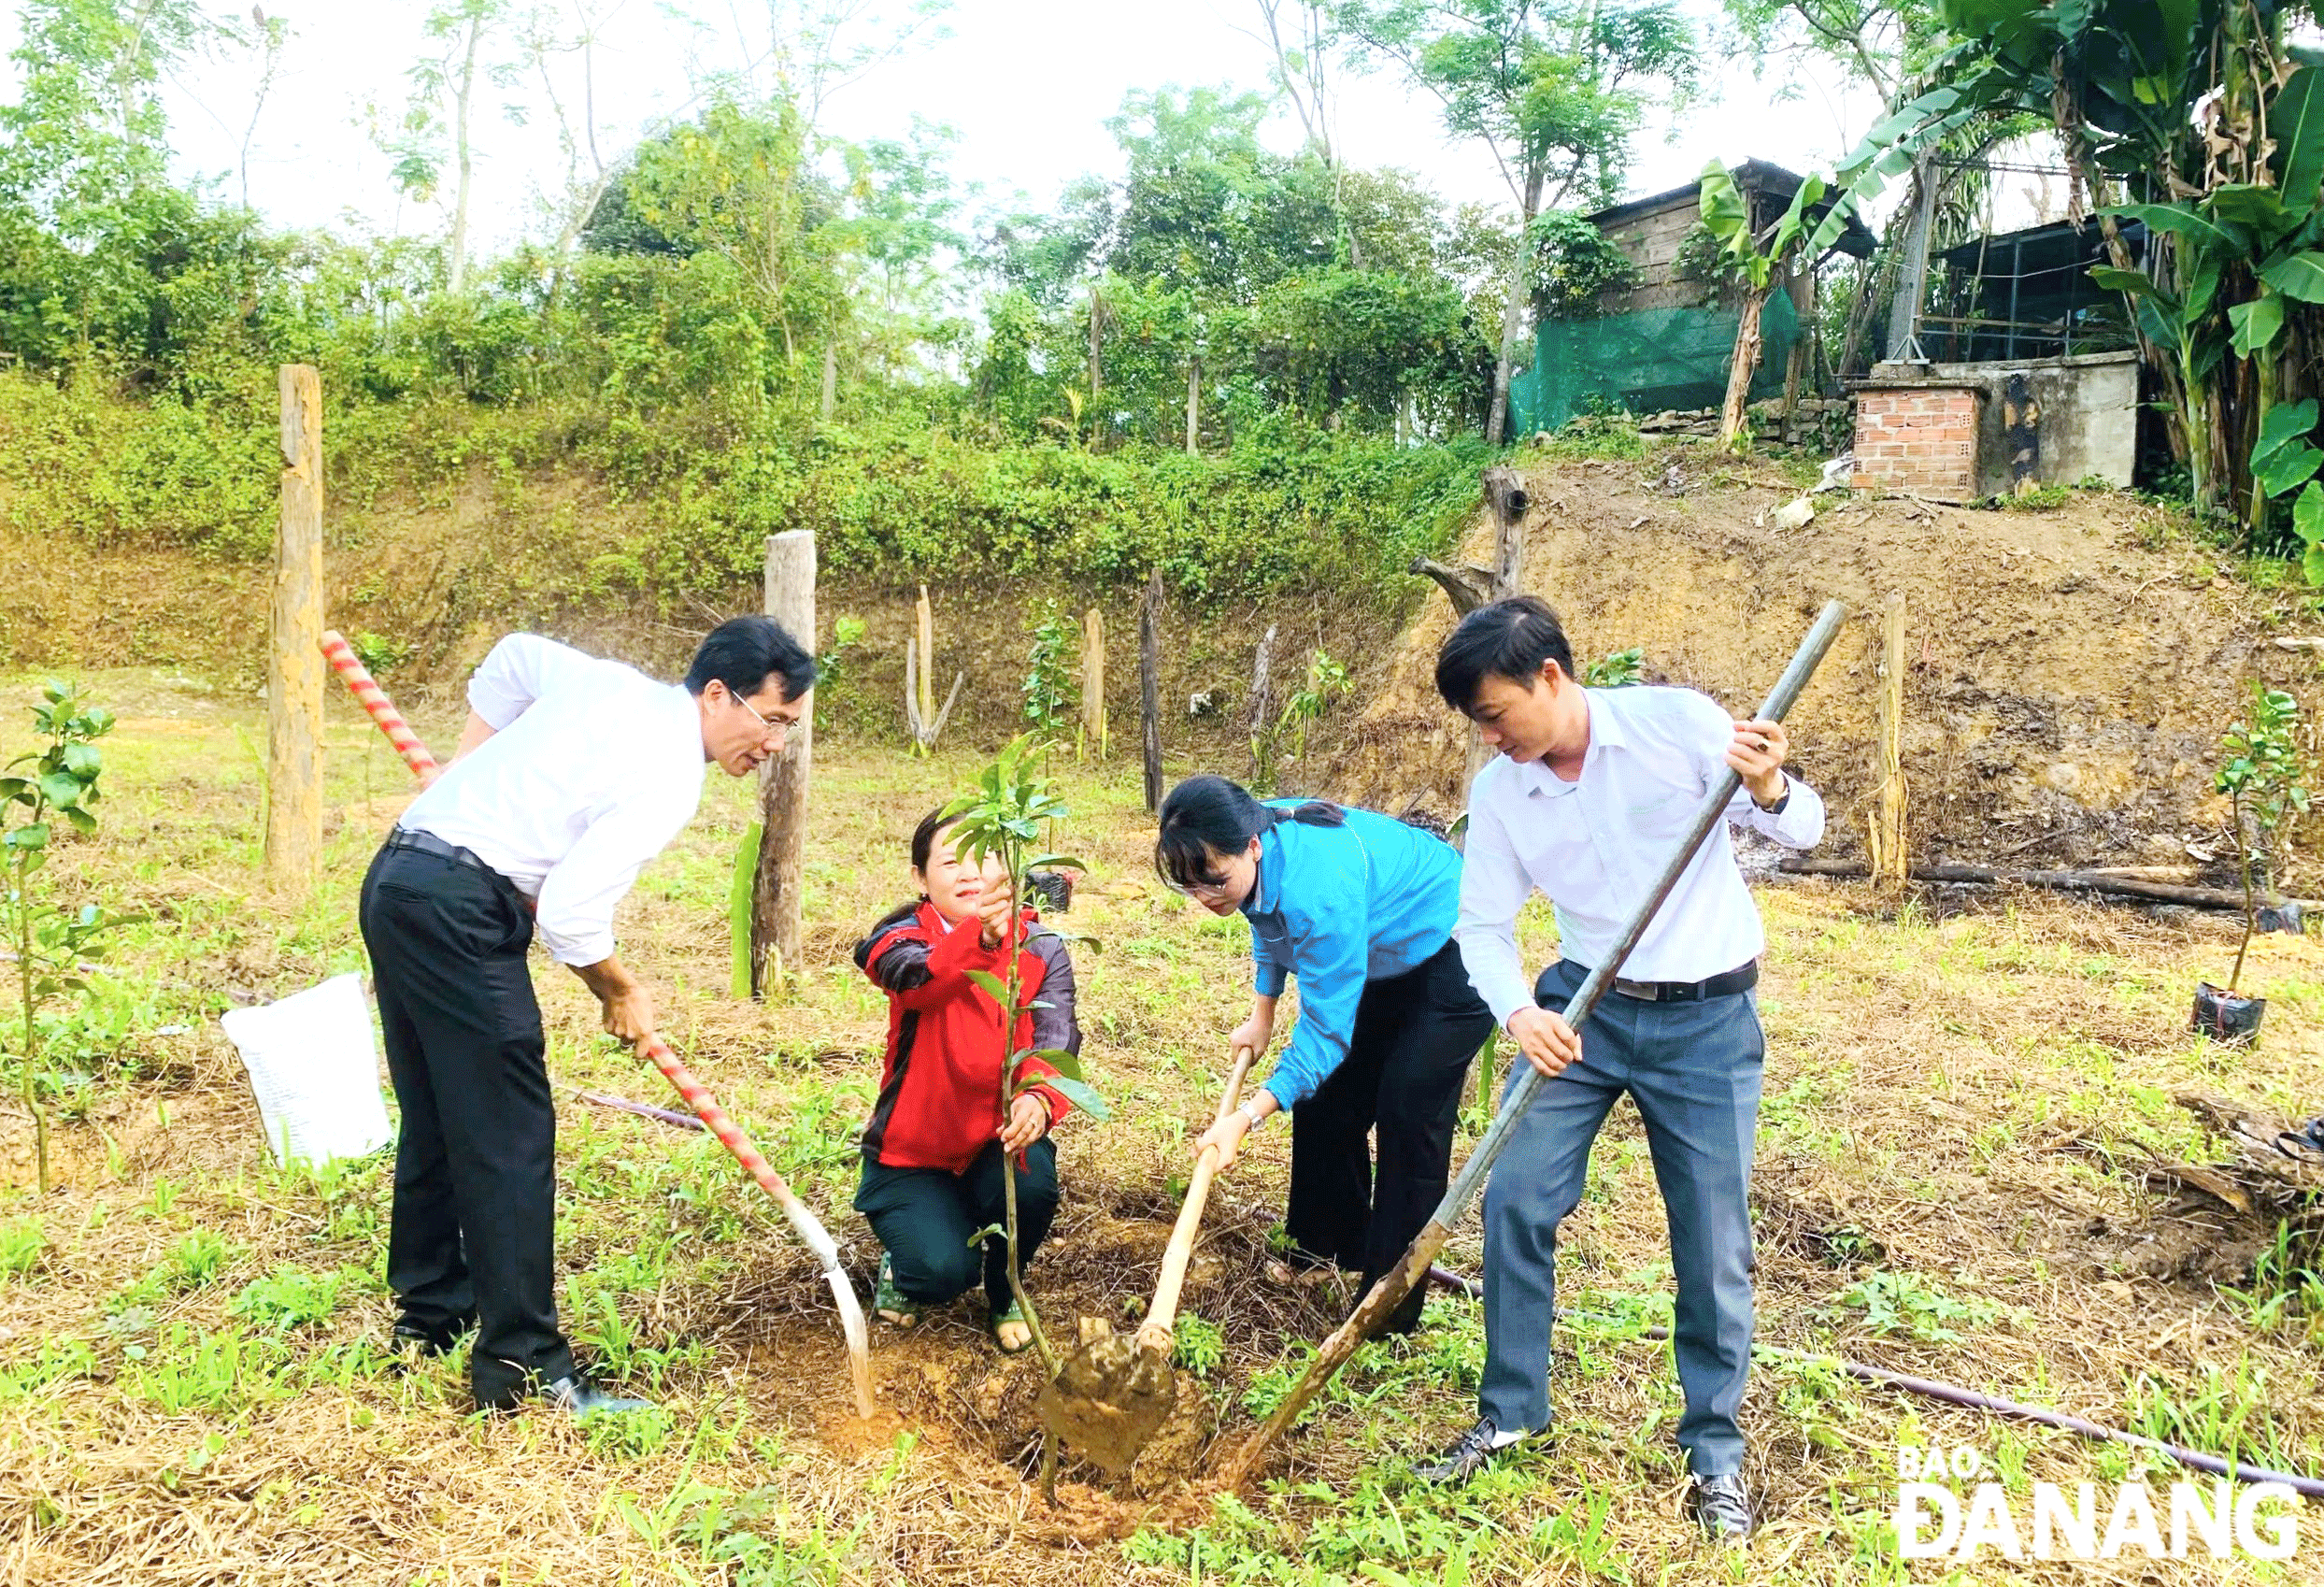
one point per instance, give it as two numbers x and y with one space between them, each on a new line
1414 1035
474 1226
924 1219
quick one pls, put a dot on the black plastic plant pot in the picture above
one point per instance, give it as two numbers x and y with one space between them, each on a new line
2226 1018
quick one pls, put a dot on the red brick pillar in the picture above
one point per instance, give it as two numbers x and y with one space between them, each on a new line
1920 439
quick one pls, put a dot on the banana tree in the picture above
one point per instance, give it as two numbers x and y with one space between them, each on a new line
1756 257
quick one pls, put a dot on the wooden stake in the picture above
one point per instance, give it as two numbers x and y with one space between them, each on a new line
1886 839
1149 687
1260 724
1093 737
927 658
1505 493
775 914
294 679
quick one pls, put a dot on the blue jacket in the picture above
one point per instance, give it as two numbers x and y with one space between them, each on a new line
1338 906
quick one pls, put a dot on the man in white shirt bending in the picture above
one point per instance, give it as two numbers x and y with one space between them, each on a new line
1587 801
573 772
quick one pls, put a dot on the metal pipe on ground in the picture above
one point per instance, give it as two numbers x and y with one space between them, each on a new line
802 1221
1969 1399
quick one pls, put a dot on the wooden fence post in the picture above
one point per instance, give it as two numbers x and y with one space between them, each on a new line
1092 737
1260 720
927 620
294 676
783 786
1891 864
1505 493
1149 687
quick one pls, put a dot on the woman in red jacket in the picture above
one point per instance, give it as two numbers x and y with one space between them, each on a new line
934 1150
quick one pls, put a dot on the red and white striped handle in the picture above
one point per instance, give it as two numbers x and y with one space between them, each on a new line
707 1107
373 699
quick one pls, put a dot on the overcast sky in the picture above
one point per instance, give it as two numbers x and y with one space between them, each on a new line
1028 85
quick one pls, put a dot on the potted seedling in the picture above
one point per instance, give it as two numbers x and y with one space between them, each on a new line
2260 775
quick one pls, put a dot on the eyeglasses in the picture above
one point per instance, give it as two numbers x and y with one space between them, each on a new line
774 729
1218 889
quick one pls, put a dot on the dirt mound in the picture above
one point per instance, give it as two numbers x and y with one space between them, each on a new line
2071 669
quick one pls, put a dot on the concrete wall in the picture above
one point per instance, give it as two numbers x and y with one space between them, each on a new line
2083 412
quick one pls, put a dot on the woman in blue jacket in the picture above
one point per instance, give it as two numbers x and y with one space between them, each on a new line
1359 907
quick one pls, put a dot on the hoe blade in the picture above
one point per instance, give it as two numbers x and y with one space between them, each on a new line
1108 1400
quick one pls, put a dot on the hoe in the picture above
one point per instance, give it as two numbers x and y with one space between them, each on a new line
804 1223
1111 1393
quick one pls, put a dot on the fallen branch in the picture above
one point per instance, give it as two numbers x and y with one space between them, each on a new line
2070 882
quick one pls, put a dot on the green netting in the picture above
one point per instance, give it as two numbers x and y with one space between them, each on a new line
1645 362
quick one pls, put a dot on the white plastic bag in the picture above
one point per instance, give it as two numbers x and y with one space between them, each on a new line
315 1070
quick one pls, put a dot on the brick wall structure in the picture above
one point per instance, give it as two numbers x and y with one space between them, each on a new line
1917 437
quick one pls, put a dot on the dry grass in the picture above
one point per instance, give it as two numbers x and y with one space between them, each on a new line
1956 1110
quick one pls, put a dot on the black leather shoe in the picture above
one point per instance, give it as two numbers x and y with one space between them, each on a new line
1470 1453
1722 1508
430 1338
582 1399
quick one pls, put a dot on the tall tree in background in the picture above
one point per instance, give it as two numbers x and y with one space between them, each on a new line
1553 89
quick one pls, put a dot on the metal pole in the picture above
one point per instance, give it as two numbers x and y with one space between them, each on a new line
1412 1267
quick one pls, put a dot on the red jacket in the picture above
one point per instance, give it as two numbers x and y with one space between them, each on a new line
940 1094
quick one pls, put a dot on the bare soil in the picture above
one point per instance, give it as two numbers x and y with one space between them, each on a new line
2071 669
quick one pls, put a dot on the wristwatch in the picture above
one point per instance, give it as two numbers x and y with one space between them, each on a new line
1251 1116
1783 799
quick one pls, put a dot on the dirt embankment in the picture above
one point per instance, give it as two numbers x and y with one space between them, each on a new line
2069 671
444 578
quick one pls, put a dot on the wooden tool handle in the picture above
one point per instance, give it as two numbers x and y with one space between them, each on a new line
1155 1333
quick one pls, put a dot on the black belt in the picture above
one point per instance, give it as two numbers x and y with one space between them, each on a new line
1741 979
428 843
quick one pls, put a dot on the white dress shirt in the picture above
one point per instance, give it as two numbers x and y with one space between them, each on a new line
592 768
1597 844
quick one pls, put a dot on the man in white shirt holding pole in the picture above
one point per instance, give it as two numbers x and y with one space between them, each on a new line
573 772
1587 801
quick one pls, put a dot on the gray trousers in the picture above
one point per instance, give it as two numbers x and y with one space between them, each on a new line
1694 1069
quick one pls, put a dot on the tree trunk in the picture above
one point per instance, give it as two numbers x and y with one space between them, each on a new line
1800 286
1732 435
1912 280
831 380
1097 357
1512 311
775 913
1149 688
458 275
294 677
1194 403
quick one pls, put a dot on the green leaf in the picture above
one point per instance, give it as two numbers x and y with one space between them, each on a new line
993 986
2301 276
2312 562
83 761
16 788
990 1232
60 788
2285 423
741 891
1054 862
1061 1060
2307 516
2287 469
1081 1097
2256 324
2296 122
2181 220
82 820
2136 282
32 835
2247 204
